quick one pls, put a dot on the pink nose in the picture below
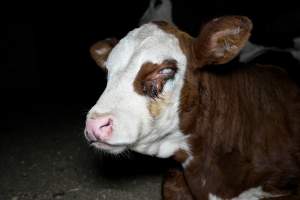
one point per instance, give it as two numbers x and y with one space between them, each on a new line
99 128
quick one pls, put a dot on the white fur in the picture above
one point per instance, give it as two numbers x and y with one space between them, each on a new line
187 161
251 194
134 127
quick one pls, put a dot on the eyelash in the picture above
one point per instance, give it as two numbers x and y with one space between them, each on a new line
153 91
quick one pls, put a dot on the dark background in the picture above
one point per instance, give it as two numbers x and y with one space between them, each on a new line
46 48
48 82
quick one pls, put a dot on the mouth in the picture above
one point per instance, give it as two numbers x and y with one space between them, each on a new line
111 148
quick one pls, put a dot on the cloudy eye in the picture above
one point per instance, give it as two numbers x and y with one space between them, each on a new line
152 78
166 70
154 86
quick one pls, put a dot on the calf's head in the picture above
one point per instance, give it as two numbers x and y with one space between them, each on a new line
146 70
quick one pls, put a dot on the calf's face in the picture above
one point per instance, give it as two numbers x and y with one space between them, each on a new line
146 71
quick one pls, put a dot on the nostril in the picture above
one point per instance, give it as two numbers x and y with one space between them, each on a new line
109 123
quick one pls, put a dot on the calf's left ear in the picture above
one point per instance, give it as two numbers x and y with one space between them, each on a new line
100 51
221 39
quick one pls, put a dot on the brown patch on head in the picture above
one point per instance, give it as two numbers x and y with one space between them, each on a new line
150 82
152 77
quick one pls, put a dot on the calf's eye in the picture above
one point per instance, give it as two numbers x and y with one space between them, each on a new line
154 86
168 71
152 77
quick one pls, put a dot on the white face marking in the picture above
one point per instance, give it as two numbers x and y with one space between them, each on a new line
133 125
250 194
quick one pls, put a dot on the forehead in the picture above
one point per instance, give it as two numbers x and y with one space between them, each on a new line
147 43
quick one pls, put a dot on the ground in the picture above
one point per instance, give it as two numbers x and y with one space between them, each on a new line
44 155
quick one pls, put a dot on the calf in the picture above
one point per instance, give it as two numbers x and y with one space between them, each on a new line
234 129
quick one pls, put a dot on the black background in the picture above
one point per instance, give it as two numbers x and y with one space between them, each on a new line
46 47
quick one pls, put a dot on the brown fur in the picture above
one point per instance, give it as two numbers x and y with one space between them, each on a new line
221 39
243 122
150 71
149 79
175 186
105 46
244 125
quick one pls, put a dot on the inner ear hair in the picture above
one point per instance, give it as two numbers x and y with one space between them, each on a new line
221 39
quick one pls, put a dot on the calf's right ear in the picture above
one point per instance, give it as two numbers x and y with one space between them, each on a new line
100 51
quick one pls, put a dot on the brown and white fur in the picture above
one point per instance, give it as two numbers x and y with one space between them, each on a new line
235 131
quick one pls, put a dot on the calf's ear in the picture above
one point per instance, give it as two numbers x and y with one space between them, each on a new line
100 51
221 39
